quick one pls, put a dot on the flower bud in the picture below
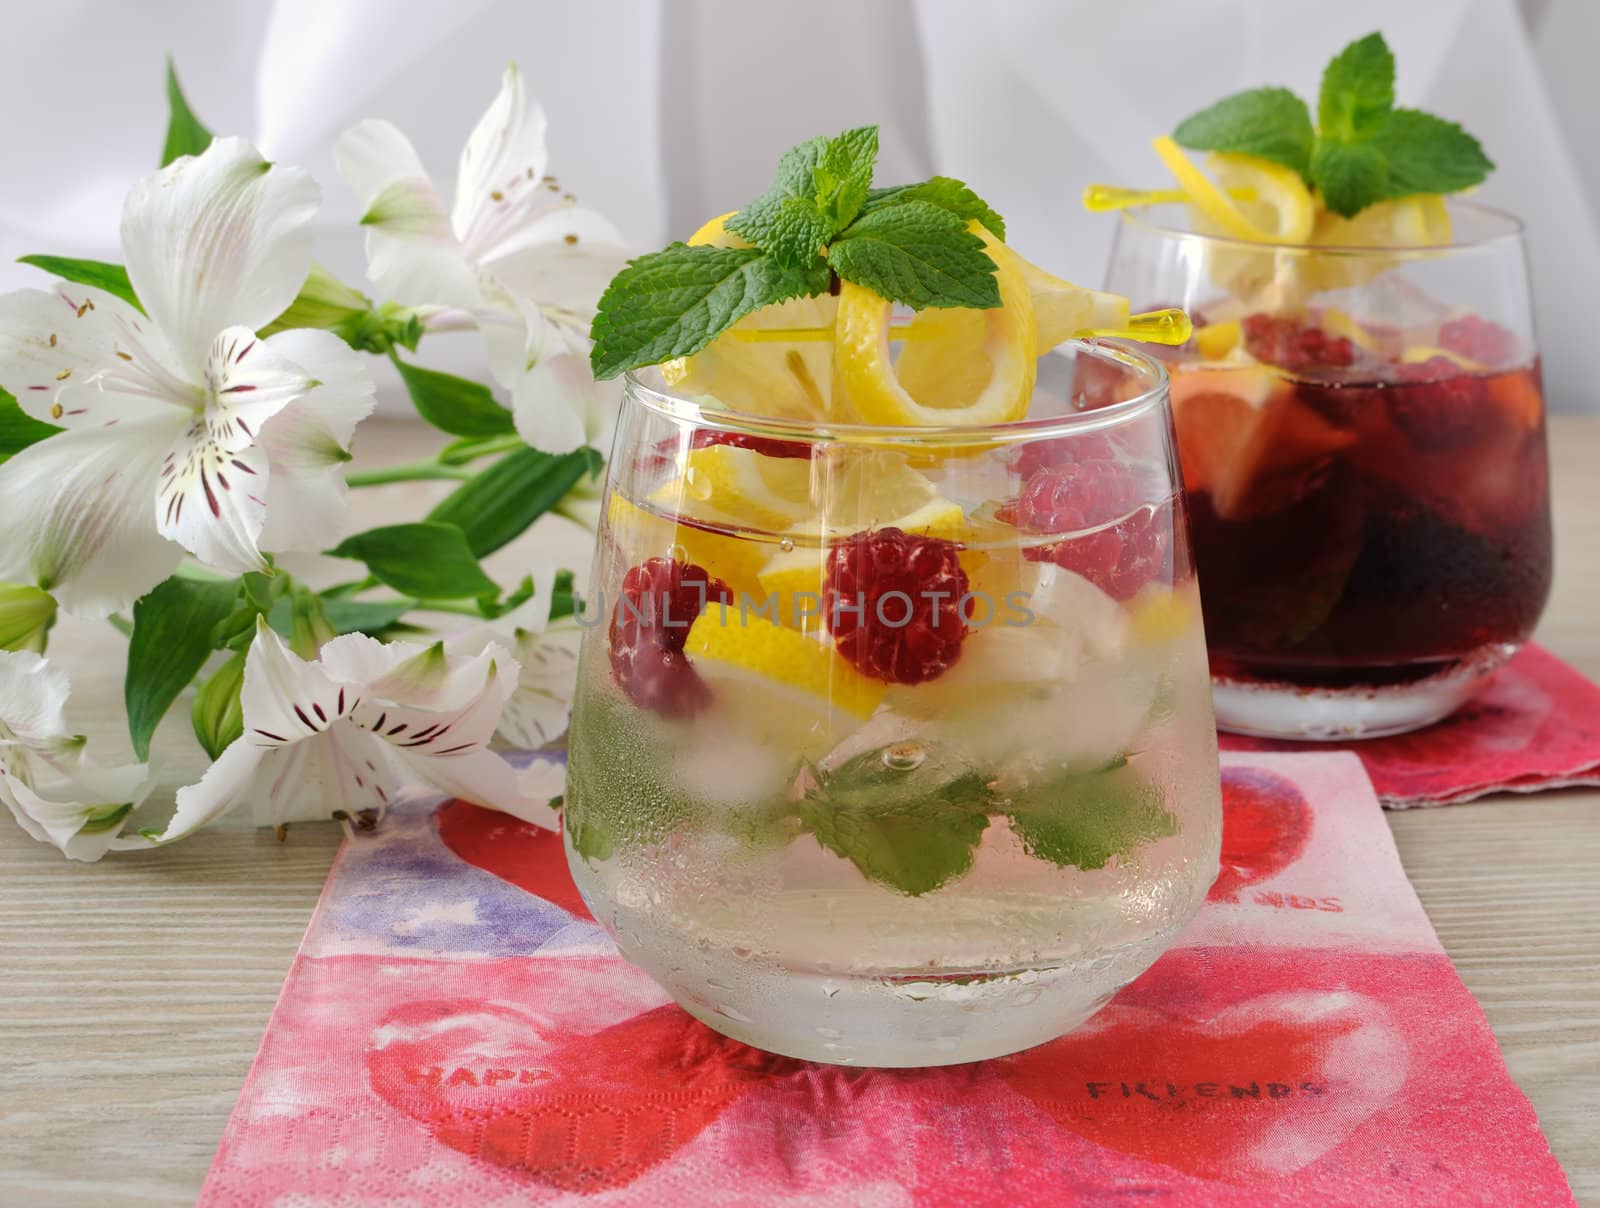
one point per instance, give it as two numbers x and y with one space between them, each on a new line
26 614
323 301
217 714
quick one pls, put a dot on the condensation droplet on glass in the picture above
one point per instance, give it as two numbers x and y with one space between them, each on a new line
786 545
677 553
829 989
732 1013
829 1033
904 756
742 953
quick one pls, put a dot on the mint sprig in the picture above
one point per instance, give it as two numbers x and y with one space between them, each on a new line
819 220
1362 151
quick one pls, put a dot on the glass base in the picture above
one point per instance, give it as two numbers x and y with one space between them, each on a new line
894 1021
1282 710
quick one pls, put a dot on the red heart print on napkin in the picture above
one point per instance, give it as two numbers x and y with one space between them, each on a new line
528 856
1266 822
583 1113
1254 1092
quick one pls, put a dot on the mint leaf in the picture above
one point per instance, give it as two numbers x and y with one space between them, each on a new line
429 560
792 230
112 278
1357 90
912 830
818 188
843 175
186 134
454 404
618 795
918 254
1271 123
1084 819
945 192
1351 175
674 302
1428 154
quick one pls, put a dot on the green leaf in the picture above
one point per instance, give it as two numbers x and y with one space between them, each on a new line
18 429
792 230
1271 123
842 176
112 278
1084 819
916 253
470 448
912 829
563 600
454 405
427 560
500 503
371 617
185 133
674 302
1427 154
945 192
1357 90
216 714
1351 176
172 629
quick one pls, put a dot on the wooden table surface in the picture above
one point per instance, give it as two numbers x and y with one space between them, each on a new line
133 992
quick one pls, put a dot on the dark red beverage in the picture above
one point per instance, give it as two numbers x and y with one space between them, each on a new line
1364 515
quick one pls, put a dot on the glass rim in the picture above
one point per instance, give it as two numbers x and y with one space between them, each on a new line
1149 368
1139 216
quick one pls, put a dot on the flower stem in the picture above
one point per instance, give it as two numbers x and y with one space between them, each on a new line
121 624
415 471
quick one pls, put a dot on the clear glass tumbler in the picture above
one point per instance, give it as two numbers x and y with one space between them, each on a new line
894 746
1363 445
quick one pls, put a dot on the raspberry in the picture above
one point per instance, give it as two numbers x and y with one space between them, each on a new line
1479 339
660 600
1285 343
895 604
1062 450
767 446
1438 405
1120 558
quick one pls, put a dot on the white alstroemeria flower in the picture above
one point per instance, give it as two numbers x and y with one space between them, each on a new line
184 431
56 794
352 731
514 253
538 710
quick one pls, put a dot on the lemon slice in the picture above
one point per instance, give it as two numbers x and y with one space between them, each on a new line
743 372
994 357
766 673
1062 310
728 482
1283 210
642 534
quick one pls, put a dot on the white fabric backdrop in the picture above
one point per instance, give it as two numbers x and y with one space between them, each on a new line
666 111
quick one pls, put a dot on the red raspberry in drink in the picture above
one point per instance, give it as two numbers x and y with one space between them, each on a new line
894 604
1480 340
1291 345
1439 405
661 598
1129 544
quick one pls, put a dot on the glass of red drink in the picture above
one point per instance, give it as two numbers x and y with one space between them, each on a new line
1361 431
